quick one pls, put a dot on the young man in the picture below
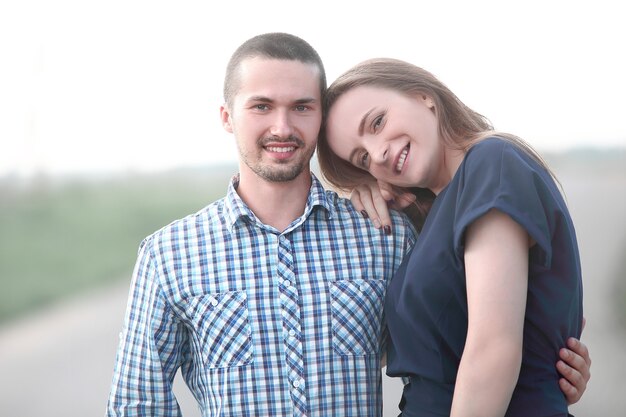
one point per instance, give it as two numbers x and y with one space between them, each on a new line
270 299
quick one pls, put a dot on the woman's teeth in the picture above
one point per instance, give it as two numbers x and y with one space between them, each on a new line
402 158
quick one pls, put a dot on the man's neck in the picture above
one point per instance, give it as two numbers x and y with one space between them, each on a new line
276 204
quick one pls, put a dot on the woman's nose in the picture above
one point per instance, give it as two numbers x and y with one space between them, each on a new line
379 153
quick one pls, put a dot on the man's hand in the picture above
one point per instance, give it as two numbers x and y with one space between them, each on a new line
575 367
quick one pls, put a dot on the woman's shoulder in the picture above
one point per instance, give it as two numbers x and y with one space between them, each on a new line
495 151
491 145
484 155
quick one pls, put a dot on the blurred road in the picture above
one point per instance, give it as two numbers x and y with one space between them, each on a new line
58 363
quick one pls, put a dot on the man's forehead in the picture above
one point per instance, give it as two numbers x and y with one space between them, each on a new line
273 78
256 66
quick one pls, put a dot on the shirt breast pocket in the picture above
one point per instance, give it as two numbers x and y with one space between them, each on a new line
221 325
357 310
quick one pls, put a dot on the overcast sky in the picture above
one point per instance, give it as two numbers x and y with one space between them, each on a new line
136 84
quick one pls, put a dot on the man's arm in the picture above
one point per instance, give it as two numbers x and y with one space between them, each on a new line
150 349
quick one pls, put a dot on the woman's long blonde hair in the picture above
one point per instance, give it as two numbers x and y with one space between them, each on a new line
458 126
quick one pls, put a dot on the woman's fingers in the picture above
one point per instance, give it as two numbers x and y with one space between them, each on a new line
373 200
363 200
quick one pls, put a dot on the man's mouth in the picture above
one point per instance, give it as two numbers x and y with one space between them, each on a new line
280 149
402 159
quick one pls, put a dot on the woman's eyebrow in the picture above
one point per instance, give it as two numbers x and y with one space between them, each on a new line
362 124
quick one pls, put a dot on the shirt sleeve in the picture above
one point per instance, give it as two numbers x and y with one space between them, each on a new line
497 175
150 350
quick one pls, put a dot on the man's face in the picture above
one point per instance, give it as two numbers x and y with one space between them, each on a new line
275 117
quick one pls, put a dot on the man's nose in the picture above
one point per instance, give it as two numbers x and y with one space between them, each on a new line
282 124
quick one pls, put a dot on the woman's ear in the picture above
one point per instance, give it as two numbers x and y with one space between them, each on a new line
428 101
225 116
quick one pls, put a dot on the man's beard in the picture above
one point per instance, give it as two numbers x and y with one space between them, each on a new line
275 172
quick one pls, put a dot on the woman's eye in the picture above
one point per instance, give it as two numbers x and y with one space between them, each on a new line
378 121
363 160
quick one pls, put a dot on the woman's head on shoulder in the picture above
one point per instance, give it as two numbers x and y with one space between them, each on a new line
391 120
392 107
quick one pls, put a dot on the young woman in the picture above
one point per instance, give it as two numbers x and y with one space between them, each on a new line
492 289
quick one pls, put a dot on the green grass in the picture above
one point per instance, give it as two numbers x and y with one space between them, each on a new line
59 238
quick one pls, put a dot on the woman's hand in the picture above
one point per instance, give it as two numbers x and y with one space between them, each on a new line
374 199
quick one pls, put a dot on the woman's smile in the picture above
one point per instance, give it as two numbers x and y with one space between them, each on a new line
402 159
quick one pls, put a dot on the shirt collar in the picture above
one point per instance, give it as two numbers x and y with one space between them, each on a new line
235 209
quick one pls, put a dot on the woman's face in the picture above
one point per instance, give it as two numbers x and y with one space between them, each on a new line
391 135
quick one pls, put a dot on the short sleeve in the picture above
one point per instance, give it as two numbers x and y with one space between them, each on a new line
496 174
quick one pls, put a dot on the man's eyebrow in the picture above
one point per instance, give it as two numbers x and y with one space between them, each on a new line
264 99
363 119
306 100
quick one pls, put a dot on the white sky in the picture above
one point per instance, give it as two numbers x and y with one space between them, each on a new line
136 84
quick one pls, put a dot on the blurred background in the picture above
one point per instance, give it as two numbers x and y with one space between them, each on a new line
109 130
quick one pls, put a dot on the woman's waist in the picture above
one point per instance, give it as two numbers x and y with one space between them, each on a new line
537 397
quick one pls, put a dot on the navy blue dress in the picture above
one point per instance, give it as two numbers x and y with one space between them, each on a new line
426 302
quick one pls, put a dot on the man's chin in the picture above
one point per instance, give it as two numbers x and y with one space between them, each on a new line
281 175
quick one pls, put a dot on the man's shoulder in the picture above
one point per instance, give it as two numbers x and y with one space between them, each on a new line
337 201
344 209
341 206
202 221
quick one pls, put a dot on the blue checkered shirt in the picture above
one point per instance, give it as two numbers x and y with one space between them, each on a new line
260 322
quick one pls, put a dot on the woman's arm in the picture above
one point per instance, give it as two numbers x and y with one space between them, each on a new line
373 199
496 263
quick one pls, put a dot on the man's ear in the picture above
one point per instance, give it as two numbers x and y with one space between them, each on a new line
225 116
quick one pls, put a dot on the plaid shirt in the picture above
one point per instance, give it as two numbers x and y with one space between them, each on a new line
261 322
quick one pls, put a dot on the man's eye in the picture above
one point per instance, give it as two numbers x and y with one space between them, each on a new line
261 107
301 108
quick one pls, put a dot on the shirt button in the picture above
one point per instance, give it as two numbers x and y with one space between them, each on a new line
286 283
213 302
292 332
296 383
